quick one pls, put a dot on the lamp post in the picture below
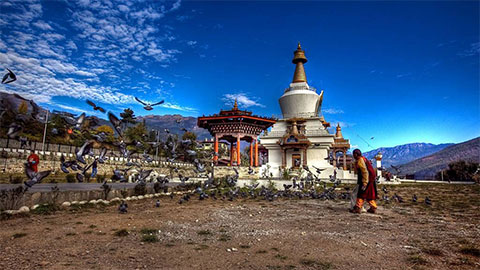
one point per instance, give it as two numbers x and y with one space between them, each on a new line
45 133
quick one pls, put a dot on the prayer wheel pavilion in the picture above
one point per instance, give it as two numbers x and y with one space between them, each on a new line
233 126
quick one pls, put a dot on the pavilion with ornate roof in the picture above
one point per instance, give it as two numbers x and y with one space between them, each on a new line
234 126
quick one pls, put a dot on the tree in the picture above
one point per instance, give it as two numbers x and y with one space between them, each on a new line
23 107
107 129
459 171
136 133
128 117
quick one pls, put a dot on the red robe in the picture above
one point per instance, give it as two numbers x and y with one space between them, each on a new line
33 160
370 193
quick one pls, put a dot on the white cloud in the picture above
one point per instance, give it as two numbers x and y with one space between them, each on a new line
242 99
332 111
42 25
191 43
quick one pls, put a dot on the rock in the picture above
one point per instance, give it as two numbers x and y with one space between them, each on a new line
141 197
35 206
82 202
66 204
128 199
24 209
234 249
93 202
73 202
229 250
116 199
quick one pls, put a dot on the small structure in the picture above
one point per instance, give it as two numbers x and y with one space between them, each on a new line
340 145
234 126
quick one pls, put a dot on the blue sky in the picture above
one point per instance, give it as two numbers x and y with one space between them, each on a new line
400 72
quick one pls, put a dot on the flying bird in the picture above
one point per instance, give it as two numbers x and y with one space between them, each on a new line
148 106
34 177
10 75
95 107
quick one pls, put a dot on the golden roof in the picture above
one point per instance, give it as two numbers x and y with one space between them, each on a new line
299 59
339 131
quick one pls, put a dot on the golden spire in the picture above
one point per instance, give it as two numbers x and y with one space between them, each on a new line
339 131
235 105
299 59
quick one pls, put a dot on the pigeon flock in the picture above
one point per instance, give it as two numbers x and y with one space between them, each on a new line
85 163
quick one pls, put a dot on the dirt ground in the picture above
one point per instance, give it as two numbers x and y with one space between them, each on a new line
254 234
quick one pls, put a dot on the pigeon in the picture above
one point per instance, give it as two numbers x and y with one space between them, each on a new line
122 208
34 177
95 107
250 170
10 75
13 130
84 150
414 198
157 203
398 198
428 201
148 106
116 123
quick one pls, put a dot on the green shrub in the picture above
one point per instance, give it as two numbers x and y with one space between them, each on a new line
150 238
122 232
70 178
140 189
16 179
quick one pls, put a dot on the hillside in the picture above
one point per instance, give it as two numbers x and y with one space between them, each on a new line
405 153
161 122
426 167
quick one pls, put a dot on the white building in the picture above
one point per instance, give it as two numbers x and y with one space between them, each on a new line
301 137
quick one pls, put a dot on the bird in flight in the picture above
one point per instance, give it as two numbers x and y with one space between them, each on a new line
10 74
95 107
148 106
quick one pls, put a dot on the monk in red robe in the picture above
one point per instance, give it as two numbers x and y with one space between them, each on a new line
32 161
366 180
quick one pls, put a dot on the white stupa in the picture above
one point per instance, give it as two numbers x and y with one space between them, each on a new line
301 137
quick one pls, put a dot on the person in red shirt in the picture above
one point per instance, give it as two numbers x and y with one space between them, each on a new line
32 161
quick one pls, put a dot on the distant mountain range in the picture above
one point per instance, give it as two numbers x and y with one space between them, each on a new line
161 122
405 153
158 122
427 166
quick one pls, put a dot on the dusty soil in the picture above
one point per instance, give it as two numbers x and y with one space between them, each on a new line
254 234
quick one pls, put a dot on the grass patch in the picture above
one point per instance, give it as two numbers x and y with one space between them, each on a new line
201 247
92 226
45 209
101 233
169 245
204 232
70 234
121 233
222 230
281 257
148 231
417 259
78 222
224 238
275 249
88 232
432 251
470 251
149 238
316 264
262 251
18 235
244 246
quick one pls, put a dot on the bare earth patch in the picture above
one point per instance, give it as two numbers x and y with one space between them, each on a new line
254 234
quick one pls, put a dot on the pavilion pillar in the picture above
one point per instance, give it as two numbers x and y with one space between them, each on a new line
344 160
305 156
284 158
256 152
215 157
251 154
334 154
231 154
238 151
